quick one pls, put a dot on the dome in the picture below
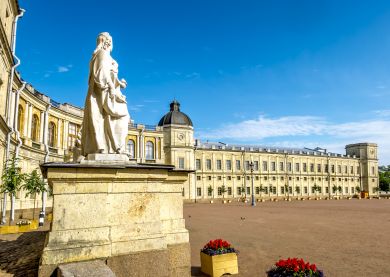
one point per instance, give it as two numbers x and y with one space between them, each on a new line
175 116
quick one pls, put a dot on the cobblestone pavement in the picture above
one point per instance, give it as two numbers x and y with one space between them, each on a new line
20 253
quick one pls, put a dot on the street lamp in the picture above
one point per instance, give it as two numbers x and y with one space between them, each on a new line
253 190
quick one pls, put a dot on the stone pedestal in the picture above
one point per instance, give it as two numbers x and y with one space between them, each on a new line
129 215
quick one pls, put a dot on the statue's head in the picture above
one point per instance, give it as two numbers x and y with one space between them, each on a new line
104 41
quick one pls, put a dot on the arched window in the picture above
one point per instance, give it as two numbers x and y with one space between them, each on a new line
35 128
52 134
149 150
20 118
130 148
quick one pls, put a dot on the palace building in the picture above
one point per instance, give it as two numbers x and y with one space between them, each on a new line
38 129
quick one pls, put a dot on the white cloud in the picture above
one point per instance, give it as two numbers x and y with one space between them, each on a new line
300 130
193 75
383 113
62 69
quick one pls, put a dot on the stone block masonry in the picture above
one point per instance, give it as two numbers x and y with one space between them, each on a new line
126 214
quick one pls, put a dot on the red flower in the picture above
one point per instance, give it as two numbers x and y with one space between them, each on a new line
313 267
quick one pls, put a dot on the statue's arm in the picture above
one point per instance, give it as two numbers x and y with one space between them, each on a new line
101 71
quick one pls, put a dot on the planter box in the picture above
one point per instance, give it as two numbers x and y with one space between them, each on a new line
216 266
14 229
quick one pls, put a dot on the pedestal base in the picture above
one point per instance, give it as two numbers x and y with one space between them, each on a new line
131 216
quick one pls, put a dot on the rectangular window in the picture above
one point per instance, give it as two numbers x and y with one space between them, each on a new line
257 178
318 167
257 190
289 166
297 178
281 166
346 169
199 191
208 164
274 190
72 135
265 178
332 168
246 165
209 178
229 178
298 189
198 178
297 167
266 190
290 190
282 190
339 169
352 169
326 169
326 189
238 190
228 165
248 190
346 189
320 190
265 166
229 191
352 190
248 178
209 191
311 167
219 178
273 166
238 164
219 191
238 178
305 190
304 167
181 163
372 170
256 166
219 164
198 166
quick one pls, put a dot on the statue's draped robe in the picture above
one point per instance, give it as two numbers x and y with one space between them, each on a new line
103 131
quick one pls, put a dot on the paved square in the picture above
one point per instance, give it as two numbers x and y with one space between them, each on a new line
344 237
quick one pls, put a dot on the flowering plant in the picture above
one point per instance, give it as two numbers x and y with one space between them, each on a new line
294 268
218 247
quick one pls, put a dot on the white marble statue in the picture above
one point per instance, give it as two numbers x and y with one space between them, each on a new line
106 118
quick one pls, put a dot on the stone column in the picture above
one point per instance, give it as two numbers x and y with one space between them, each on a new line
42 127
59 127
29 121
25 121
65 135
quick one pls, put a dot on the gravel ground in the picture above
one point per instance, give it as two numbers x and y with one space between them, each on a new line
344 238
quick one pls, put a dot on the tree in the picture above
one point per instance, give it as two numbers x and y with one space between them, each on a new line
210 190
34 185
316 188
340 189
261 189
335 189
223 191
12 181
384 181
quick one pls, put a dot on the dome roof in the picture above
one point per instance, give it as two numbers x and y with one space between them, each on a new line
175 116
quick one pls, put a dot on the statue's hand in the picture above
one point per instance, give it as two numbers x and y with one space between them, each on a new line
123 83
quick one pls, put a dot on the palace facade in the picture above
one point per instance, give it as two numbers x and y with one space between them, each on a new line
37 129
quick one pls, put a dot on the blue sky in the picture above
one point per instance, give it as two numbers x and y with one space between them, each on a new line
290 73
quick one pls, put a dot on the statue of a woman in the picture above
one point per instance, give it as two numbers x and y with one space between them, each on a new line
105 122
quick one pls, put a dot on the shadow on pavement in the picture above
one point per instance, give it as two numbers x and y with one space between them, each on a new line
20 257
